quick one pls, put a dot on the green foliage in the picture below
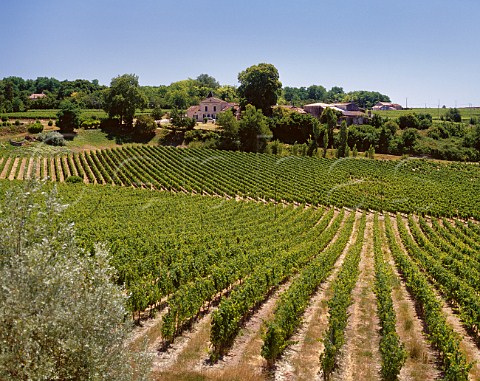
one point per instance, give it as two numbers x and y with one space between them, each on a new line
123 97
145 127
60 313
91 124
439 332
409 138
157 113
392 350
260 87
230 126
292 304
290 126
253 130
73 179
408 121
453 115
342 146
343 285
68 117
329 118
35 128
180 120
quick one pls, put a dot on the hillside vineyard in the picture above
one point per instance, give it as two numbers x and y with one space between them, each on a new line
406 186
260 267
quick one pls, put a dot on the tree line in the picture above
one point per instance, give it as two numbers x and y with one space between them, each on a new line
15 92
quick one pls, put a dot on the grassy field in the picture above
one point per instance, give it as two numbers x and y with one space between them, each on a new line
436 113
52 114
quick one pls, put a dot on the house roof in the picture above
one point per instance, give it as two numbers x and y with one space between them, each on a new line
37 96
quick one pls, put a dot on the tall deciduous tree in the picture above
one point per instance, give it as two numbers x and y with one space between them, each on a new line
342 145
260 86
253 130
124 97
329 118
68 116
230 126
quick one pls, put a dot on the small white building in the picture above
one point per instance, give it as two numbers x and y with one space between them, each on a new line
209 108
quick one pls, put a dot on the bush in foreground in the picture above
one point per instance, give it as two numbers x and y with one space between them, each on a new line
61 317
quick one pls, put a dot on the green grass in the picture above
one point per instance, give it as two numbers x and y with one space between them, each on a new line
436 113
52 114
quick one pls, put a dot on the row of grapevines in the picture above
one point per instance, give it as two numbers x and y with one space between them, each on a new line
337 306
455 365
188 300
232 311
391 349
455 288
462 233
292 304
407 186
451 258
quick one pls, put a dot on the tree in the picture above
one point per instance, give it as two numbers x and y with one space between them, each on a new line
409 138
453 115
180 120
260 86
230 126
329 118
208 81
253 130
408 121
68 116
342 146
61 316
145 127
123 98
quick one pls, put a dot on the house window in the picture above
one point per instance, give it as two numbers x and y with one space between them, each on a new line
206 108
214 108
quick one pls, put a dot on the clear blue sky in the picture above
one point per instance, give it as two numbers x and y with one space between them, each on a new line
428 51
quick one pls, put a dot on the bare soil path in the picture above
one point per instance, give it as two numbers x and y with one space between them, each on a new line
422 361
360 358
3 175
13 171
22 167
301 361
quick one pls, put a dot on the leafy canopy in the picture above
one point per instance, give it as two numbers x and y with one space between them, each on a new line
260 86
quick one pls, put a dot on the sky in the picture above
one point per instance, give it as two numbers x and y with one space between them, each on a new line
425 52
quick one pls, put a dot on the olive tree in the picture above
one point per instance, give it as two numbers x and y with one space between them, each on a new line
61 317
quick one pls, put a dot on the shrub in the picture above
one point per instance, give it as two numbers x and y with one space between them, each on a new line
62 316
157 113
4 118
17 123
74 179
408 121
52 138
35 128
90 124
145 126
50 123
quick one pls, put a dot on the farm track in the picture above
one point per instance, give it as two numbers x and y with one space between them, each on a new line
361 357
422 360
301 359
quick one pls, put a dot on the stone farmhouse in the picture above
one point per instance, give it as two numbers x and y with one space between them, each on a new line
386 106
209 108
350 112
34 97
